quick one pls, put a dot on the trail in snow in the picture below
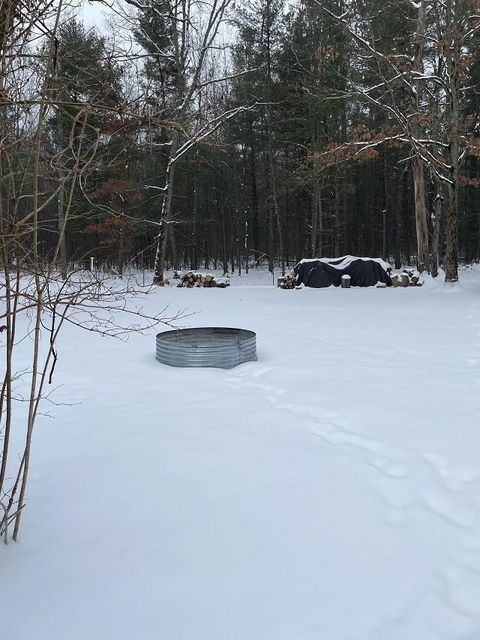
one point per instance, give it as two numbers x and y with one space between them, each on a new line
411 487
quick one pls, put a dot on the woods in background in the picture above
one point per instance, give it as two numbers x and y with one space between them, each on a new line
194 134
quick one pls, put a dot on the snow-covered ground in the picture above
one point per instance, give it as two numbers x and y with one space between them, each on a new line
329 491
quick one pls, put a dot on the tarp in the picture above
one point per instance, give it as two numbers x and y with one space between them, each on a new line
325 272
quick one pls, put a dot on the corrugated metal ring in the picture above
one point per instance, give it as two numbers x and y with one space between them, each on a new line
222 347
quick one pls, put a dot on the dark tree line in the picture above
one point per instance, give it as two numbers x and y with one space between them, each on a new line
227 137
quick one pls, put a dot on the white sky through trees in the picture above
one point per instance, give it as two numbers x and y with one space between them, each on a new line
93 14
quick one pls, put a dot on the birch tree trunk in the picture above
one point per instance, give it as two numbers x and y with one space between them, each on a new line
166 214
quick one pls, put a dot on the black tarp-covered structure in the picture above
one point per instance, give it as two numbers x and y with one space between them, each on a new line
325 272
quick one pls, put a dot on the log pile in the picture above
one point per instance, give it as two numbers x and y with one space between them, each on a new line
194 279
408 278
288 281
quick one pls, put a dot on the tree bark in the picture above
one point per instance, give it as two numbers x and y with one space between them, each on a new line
437 217
418 170
61 203
420 214
452 47
165 219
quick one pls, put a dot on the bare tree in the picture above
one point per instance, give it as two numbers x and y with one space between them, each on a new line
37 296
433 76
184 37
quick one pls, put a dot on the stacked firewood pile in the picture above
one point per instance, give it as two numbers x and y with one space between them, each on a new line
194 279
408 278
288 281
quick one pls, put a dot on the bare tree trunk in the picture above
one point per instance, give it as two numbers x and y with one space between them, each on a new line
224 247
194 258
276 213
320 220
317 221
61 204
437 217
313 230
271 245
166 214
173 246
271 162
451 257
246 247
336 222
255 215
10 298
420 214
385 207
452 46
418 170
39 286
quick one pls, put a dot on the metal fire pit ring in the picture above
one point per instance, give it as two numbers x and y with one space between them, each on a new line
221 347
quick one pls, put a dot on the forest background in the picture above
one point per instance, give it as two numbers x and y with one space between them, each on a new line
228 135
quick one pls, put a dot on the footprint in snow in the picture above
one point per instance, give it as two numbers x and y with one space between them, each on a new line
322 431
388 468
448 510
352 440
398 498
251 370
453 478
463 591
260 371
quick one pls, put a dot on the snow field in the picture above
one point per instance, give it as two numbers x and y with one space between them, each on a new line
328 491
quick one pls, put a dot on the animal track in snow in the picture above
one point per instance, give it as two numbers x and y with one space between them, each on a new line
321 424
260 371
464 590
403 482
391 469
447 509
398 499
453 478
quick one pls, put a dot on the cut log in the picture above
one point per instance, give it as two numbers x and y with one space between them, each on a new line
404 279
199 280
287 281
